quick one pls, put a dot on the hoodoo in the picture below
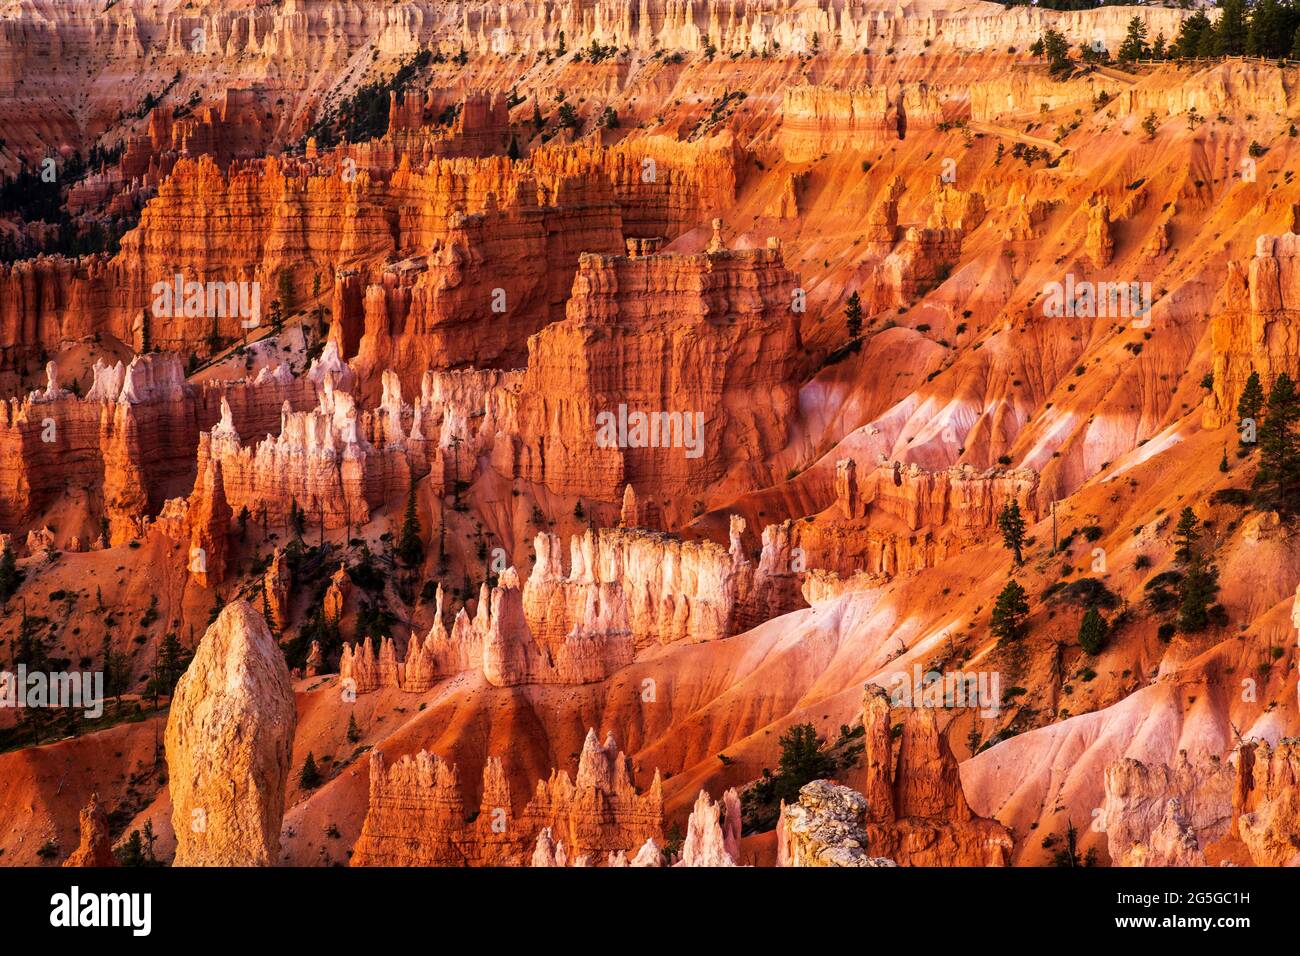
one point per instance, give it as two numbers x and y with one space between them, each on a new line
229 741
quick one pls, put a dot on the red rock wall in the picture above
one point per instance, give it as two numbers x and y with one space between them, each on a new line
917 814
130 443
899 518
1256 330
710 334
416 814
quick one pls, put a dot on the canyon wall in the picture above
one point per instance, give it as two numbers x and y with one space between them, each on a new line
898 518
1266 802
129 444
666 371
817 120
669 590
321 460
416 814
1258 326
1165 815
444 260
1240 809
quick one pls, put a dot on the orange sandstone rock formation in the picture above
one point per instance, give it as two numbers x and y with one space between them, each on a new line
665 370
712 832
1165 816
275 585
229 740
95 849
625 590
916 810
129 444
1256 329
899 518
416 815
1266 802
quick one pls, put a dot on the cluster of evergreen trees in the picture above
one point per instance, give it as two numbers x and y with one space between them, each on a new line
364 114
805 757
1267 28
1264 28
1196 577
36 194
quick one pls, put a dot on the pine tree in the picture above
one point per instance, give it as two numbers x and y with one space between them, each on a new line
802 761
1186 534
537 115
1207 44
1258 23
33 650
1068 856
1094 53
512 152
1056 48
853 315
111 667
1012 525
354 732
9 575
1188 41
1199 585
1249 406
1196 593
170 666
409 546
1010 620
1134 46
1272 28
32 647
150 838
297 517
1092 631
1278 480
579 512
1230 31
131 853
287 296
309 777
